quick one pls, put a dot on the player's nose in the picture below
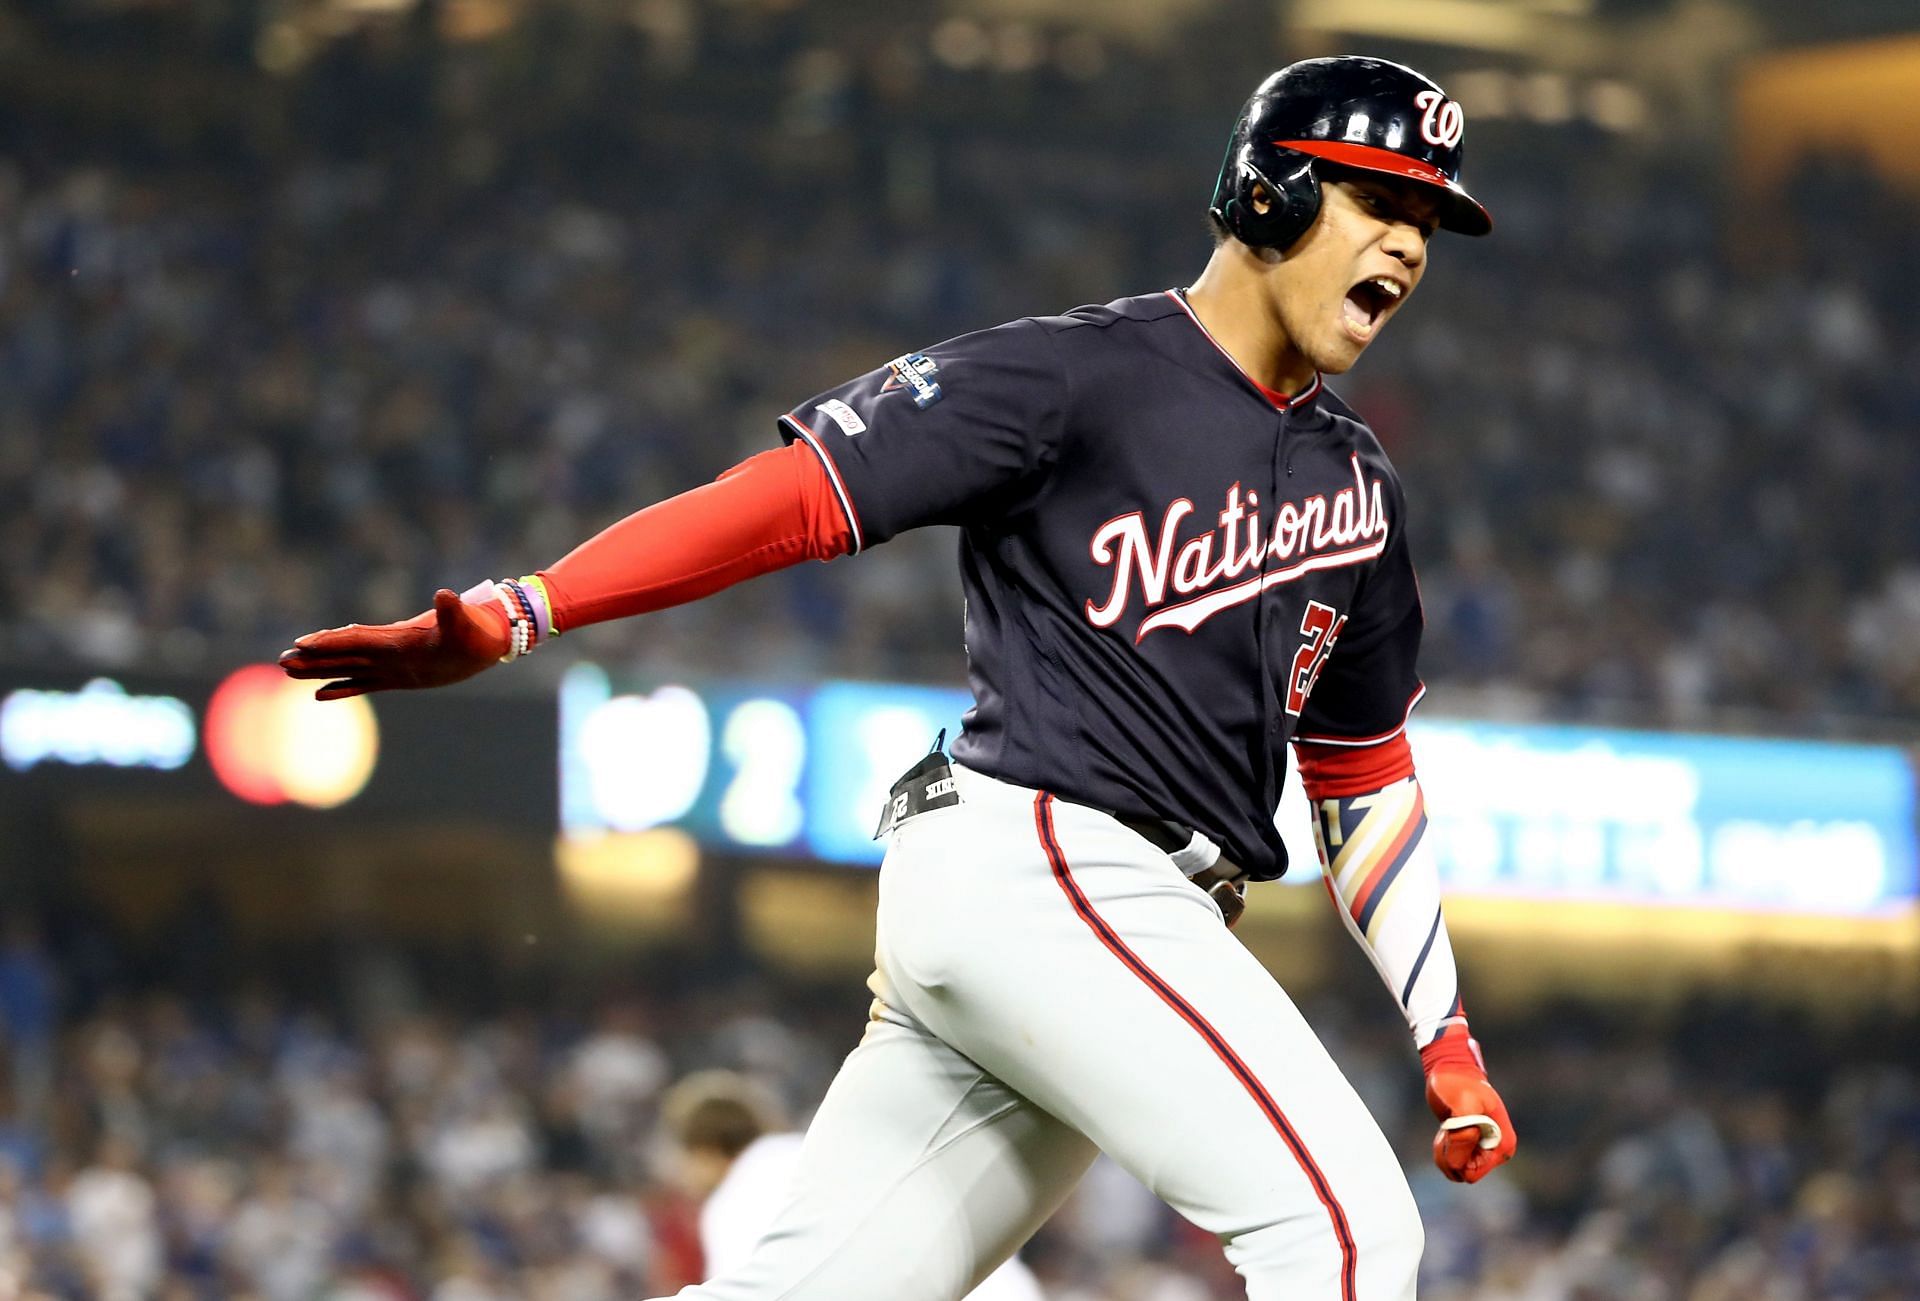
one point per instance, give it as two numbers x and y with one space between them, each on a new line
1406 244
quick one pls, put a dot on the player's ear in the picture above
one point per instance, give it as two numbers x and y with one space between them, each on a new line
1261 200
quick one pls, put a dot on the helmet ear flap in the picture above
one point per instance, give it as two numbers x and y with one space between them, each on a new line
1293 201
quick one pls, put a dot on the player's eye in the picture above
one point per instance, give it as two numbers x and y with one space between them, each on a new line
1380 205
1385 207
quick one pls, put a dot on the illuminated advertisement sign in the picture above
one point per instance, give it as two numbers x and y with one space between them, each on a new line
251 737
98 724
1534 812
1638 817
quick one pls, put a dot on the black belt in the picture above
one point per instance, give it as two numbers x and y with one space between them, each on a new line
929 784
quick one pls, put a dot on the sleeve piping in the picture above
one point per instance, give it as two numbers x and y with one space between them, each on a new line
1413 700
812 440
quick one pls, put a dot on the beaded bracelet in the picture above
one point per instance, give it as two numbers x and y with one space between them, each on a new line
532 593
528 607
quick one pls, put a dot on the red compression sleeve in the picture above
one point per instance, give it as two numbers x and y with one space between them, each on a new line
766 513
1330 772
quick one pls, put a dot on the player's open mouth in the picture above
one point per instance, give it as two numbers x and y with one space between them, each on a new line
1368 303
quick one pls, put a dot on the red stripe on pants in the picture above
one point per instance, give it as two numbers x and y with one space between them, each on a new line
1043 822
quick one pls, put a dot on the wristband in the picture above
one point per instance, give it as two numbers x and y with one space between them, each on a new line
529 611
520 622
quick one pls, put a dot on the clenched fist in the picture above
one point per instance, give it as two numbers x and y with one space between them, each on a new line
1476 1134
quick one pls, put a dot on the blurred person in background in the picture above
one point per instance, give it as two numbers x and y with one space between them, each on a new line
739 1156
29 1014
278 1238
116 1227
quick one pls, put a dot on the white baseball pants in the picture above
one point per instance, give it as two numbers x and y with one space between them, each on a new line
1049 983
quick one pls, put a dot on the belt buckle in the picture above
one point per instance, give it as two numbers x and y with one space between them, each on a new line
1229 892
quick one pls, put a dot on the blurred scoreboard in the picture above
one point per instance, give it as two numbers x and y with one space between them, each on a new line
1640 817
1547 813
800 770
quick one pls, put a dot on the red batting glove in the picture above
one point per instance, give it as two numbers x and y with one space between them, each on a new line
449 643
1476 1134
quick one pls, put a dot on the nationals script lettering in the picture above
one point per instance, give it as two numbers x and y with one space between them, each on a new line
1315 533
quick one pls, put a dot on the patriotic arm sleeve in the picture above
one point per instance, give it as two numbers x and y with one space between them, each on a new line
1370 825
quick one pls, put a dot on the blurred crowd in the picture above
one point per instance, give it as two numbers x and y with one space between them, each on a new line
296 328
400 1136
419 311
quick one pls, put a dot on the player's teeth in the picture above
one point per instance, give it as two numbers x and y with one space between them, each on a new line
1387 287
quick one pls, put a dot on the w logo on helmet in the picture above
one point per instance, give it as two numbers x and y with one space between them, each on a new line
1441 120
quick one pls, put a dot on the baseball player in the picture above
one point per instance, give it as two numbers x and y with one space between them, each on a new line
1181 553
737 1155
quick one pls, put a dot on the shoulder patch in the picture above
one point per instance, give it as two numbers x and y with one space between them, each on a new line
918 373
843 415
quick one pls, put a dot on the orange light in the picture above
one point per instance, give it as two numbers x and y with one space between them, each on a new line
270 742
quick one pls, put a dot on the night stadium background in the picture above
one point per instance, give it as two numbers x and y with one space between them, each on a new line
310 307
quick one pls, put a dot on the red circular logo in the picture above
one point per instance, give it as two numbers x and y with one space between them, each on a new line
271 742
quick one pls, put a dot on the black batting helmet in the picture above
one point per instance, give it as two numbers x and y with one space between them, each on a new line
1350 110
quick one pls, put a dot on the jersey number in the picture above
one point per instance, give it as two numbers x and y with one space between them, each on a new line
1321 626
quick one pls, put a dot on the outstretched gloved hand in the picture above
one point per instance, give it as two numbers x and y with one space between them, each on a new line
449 643
1476 1134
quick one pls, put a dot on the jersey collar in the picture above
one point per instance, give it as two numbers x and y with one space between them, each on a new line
1278 400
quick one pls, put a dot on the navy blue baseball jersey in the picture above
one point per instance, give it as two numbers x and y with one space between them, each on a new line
1168 574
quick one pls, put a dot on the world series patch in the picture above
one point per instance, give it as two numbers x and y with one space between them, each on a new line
917 373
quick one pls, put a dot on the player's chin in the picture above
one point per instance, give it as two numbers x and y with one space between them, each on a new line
1344 344
1337 355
